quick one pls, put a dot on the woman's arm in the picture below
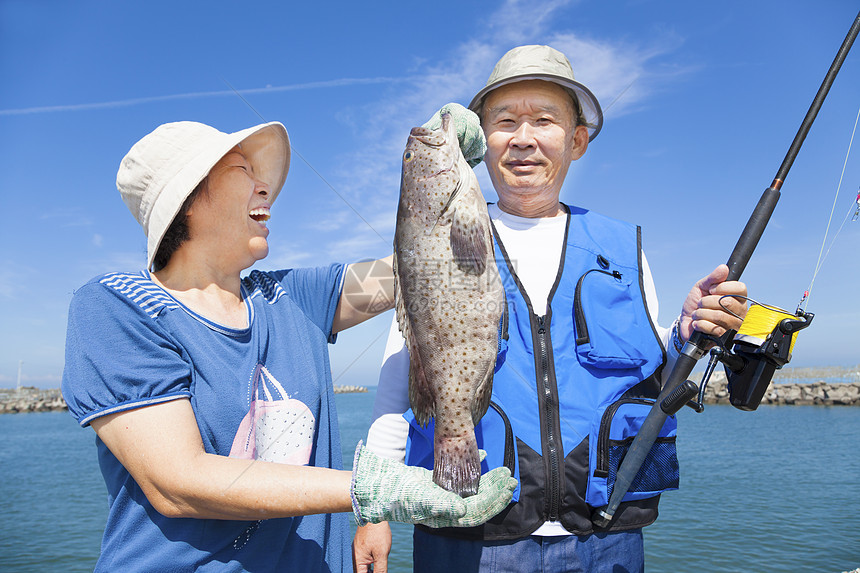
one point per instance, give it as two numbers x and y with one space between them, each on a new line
368 289
160 446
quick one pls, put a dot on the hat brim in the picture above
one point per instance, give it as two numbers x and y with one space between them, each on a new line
267 149
590 106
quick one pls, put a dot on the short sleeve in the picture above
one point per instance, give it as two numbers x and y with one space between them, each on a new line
316 291
118 357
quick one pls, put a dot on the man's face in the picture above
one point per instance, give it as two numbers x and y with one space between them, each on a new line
531 140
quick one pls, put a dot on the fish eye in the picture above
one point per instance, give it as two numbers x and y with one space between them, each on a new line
408 156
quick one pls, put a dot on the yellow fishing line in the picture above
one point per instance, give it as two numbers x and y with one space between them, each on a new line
760 322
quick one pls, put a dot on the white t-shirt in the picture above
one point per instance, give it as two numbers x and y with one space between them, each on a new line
534 249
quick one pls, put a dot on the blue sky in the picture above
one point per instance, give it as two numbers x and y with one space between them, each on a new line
702 100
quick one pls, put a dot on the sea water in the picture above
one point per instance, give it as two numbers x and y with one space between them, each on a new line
777 489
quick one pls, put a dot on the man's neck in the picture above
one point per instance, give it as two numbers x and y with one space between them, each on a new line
532 210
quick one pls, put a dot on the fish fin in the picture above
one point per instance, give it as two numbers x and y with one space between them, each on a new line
421 395
457 464
470 234
399 308
483 393
448 209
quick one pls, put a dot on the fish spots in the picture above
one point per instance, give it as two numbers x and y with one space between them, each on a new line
446 310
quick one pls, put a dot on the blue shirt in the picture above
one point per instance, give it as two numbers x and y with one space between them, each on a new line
261 392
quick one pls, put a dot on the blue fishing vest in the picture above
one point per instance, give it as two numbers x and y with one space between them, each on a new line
571 390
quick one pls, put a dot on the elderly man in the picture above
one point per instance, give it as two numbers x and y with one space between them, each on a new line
584 357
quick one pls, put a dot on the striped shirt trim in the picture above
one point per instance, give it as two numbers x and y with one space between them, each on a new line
262 284
153 300
141 291
132 405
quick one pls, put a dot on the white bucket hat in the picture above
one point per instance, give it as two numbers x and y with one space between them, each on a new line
542 63
162 169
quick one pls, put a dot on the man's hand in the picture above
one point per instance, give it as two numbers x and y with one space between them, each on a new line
370 547
473 144
702 310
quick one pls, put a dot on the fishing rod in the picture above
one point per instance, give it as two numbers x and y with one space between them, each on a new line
749 369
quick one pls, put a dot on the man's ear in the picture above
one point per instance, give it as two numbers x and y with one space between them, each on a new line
580 142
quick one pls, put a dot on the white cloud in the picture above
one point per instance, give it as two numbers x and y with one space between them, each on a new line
335 83
67 217
622 75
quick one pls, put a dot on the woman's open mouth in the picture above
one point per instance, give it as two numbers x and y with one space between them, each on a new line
260 214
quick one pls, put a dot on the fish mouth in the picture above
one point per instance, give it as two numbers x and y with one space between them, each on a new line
428 136
435 137
439 173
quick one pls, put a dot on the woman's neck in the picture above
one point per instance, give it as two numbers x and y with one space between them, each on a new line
207 290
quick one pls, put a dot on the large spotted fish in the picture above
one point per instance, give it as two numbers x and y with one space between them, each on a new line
449 299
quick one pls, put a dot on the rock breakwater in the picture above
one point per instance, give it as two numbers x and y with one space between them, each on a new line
29 399
348 389
820 393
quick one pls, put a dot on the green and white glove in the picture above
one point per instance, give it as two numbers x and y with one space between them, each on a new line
386 490
469 132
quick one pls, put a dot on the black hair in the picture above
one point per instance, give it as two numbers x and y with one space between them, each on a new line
177 233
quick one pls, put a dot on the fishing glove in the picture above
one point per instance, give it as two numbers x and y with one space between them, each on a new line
469 132
387 490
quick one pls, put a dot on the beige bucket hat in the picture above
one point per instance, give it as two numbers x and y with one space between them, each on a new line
162 169
542 63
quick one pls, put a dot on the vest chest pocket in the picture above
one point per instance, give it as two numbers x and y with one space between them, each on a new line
608 324
609 441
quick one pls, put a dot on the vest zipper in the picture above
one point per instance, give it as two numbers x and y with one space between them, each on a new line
549 419
578 315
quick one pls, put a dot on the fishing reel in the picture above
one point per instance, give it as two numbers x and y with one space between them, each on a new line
750 355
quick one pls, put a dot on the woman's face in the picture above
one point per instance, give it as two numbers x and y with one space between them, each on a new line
230 216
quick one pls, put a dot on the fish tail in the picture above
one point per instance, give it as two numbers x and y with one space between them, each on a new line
457 466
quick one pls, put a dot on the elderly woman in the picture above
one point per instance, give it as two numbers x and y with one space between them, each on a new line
211 394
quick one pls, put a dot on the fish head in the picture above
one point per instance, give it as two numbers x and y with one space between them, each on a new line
431 170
